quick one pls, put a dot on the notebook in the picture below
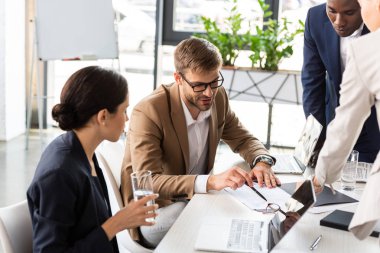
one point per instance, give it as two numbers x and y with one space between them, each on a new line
297 163
341 220
250 235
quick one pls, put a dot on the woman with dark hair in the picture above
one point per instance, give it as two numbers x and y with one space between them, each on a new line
68 198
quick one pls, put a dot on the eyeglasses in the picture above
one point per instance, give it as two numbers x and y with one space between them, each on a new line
199 86
271 208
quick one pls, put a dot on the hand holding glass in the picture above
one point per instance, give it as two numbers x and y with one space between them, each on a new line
349 171
142 186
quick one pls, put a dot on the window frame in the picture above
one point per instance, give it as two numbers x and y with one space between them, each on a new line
172 37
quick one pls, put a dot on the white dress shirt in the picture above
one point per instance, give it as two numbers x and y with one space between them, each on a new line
344 44
197 132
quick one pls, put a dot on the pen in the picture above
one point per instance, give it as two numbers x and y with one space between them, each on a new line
258 193
315 243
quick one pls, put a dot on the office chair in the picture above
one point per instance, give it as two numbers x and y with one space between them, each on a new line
16 228
110 157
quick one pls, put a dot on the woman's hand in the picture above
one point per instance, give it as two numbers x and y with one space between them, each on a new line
318 188
131 216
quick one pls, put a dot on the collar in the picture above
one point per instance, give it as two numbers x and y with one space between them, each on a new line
203 115
358 32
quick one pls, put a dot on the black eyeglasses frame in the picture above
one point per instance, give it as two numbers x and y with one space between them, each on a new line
196 86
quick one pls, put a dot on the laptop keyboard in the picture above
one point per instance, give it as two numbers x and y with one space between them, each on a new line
244 235
286 163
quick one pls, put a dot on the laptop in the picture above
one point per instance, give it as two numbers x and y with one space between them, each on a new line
250 235
297 163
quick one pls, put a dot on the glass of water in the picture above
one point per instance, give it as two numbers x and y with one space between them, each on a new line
142 186
348 177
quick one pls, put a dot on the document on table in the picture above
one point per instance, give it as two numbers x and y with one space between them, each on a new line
251 199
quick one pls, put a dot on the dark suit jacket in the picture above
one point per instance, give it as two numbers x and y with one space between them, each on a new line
321 63
67 204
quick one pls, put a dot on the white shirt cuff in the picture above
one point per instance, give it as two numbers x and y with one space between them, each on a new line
200 185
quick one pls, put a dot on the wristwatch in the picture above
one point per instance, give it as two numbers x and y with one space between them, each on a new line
263 158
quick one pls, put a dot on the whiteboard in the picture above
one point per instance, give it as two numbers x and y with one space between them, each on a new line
75 29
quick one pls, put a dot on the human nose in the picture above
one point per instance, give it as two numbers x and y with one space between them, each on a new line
126 116
339 20
208 91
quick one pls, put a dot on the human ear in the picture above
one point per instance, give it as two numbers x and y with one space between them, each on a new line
102 117
177 77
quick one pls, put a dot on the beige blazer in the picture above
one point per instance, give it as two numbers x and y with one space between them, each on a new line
157 140
360 90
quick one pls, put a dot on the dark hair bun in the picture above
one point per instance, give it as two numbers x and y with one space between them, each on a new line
65 116
85 93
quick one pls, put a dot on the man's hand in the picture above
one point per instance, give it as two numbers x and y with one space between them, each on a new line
234 178
264 174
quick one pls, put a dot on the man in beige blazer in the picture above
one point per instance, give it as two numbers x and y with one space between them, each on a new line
360 90
175 131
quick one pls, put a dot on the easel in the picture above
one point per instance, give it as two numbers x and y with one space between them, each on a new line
39 97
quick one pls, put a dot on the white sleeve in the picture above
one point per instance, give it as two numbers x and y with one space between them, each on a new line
200 185
342 133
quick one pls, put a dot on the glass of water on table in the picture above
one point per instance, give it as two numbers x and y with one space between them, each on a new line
142 186
348 177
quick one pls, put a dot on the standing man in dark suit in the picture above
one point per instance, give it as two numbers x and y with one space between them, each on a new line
328 30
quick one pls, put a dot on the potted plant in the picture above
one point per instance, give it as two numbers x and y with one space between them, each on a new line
272 42
230 40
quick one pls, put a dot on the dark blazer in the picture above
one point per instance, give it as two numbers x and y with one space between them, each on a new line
67 204
322 76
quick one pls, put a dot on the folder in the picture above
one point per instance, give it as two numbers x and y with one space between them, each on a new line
326 197
341 220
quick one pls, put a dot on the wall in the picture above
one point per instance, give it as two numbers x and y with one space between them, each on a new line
12 68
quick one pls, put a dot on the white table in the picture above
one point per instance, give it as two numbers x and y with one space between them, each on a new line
181 237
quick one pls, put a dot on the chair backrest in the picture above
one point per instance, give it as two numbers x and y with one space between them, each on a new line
110 157
113 153
16 228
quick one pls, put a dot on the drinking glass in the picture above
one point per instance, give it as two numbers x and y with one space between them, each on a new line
348 177
142 186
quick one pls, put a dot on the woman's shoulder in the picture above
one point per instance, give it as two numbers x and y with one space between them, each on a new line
62 158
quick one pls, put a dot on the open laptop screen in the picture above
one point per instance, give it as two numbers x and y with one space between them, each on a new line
309 137
297 163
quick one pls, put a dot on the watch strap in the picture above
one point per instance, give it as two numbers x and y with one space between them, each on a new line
264 158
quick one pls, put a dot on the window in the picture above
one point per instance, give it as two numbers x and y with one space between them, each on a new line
182 17
295 10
